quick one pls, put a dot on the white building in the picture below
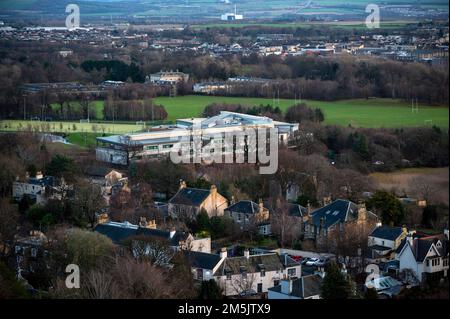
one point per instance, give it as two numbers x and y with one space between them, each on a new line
34 187
426 257
159 141
254 273
232 16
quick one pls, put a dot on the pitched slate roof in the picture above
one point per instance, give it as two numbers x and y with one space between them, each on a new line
303 287
339 211
201 260
190 196
386 232
421 246
255 263
297 210
244 207
119 232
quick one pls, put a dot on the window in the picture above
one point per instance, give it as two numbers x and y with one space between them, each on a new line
263 273
151 147
292 271
228 275
276 282
428 262
168 146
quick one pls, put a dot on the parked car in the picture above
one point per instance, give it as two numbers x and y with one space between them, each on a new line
312 262
304 261
322 262
247 293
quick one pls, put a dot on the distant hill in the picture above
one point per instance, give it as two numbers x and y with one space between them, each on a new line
212 9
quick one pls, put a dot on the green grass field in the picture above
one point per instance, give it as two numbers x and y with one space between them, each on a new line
68 127
358 112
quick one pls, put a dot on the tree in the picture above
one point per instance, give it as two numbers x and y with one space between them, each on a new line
335 285
210 290
61 166
155 250
8 223
87 249
391 209
88 201
203 223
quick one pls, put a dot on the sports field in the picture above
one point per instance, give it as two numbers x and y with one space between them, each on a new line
358 113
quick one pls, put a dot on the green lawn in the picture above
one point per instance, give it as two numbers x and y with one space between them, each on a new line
68 127
358 112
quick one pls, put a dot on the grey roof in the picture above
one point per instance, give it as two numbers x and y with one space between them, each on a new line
255 263
244 207
297 210
339 211
386 232
119 233
303 287
190 196
421 246
44 181
201 260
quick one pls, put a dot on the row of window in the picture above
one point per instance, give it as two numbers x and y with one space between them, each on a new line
434 262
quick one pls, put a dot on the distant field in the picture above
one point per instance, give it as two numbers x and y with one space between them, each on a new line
358 112
333 24
406 181
68 127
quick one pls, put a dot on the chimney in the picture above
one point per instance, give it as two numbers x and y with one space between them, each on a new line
172 232
286 286
144 224
404 229
223 253
39 175
233 200
103 218
362 212
247 253
182 184
213 189
261 206
326 200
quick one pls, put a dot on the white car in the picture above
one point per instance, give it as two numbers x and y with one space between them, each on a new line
312 261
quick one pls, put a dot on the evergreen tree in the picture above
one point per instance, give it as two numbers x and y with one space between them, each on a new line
335 284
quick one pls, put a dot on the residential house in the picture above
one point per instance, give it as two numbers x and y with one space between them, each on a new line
256 273
169 77
248 214
306 287
384 240
203 264
188 202
425 257
106 177
119 233
339 213
38 188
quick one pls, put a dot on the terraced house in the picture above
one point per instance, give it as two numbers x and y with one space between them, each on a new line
254 273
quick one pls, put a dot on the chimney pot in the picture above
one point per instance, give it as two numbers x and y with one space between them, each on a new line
247 253
223 252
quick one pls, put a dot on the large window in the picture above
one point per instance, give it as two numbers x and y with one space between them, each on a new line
292 272
151 147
